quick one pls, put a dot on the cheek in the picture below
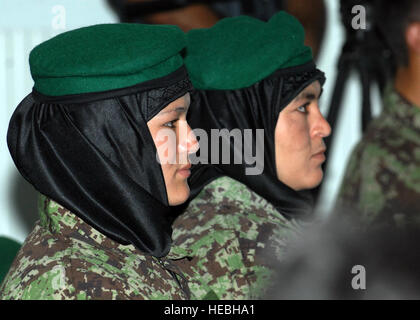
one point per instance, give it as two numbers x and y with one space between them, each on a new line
166 146
169 171
293 152
177 188
292 137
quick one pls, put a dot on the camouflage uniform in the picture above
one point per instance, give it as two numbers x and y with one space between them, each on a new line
65 258
217 253
234 236
382 181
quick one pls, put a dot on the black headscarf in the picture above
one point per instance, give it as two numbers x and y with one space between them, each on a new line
254 107
93 153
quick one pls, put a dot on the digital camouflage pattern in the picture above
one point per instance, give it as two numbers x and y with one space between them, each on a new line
381 185
232 234
65 258
220 247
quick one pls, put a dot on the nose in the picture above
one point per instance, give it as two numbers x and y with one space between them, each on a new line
188 141
321 126
192 143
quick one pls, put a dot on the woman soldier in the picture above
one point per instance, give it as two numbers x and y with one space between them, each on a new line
250 75
84 138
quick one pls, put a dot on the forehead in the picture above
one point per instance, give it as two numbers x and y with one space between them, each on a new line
184 100
311 92
179 105
314 88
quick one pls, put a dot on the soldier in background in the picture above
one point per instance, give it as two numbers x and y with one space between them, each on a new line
190 14
252 76
336 260
382 181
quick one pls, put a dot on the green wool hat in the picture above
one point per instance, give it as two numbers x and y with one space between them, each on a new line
238 52
105 57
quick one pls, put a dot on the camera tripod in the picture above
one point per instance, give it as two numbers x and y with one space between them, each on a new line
364 52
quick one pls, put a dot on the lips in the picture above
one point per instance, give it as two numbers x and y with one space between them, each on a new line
187 167
320 153
185 171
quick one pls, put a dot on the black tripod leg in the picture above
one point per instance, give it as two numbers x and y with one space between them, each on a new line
336 101
366 105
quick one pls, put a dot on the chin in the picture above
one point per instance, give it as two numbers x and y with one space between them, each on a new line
311 181
316 179
179 196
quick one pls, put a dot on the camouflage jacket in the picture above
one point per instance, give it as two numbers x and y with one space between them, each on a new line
65 258
381 185
235 238
218 252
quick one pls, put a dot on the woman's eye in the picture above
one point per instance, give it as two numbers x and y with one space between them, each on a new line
303 108
170 124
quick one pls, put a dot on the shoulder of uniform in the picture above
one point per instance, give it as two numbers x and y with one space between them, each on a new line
36 282
79 274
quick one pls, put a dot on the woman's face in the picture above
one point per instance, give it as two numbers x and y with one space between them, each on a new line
299 141
174 142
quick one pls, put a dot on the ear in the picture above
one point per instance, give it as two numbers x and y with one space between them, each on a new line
412 37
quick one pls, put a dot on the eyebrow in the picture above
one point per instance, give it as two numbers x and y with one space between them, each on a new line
177 110
309 95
